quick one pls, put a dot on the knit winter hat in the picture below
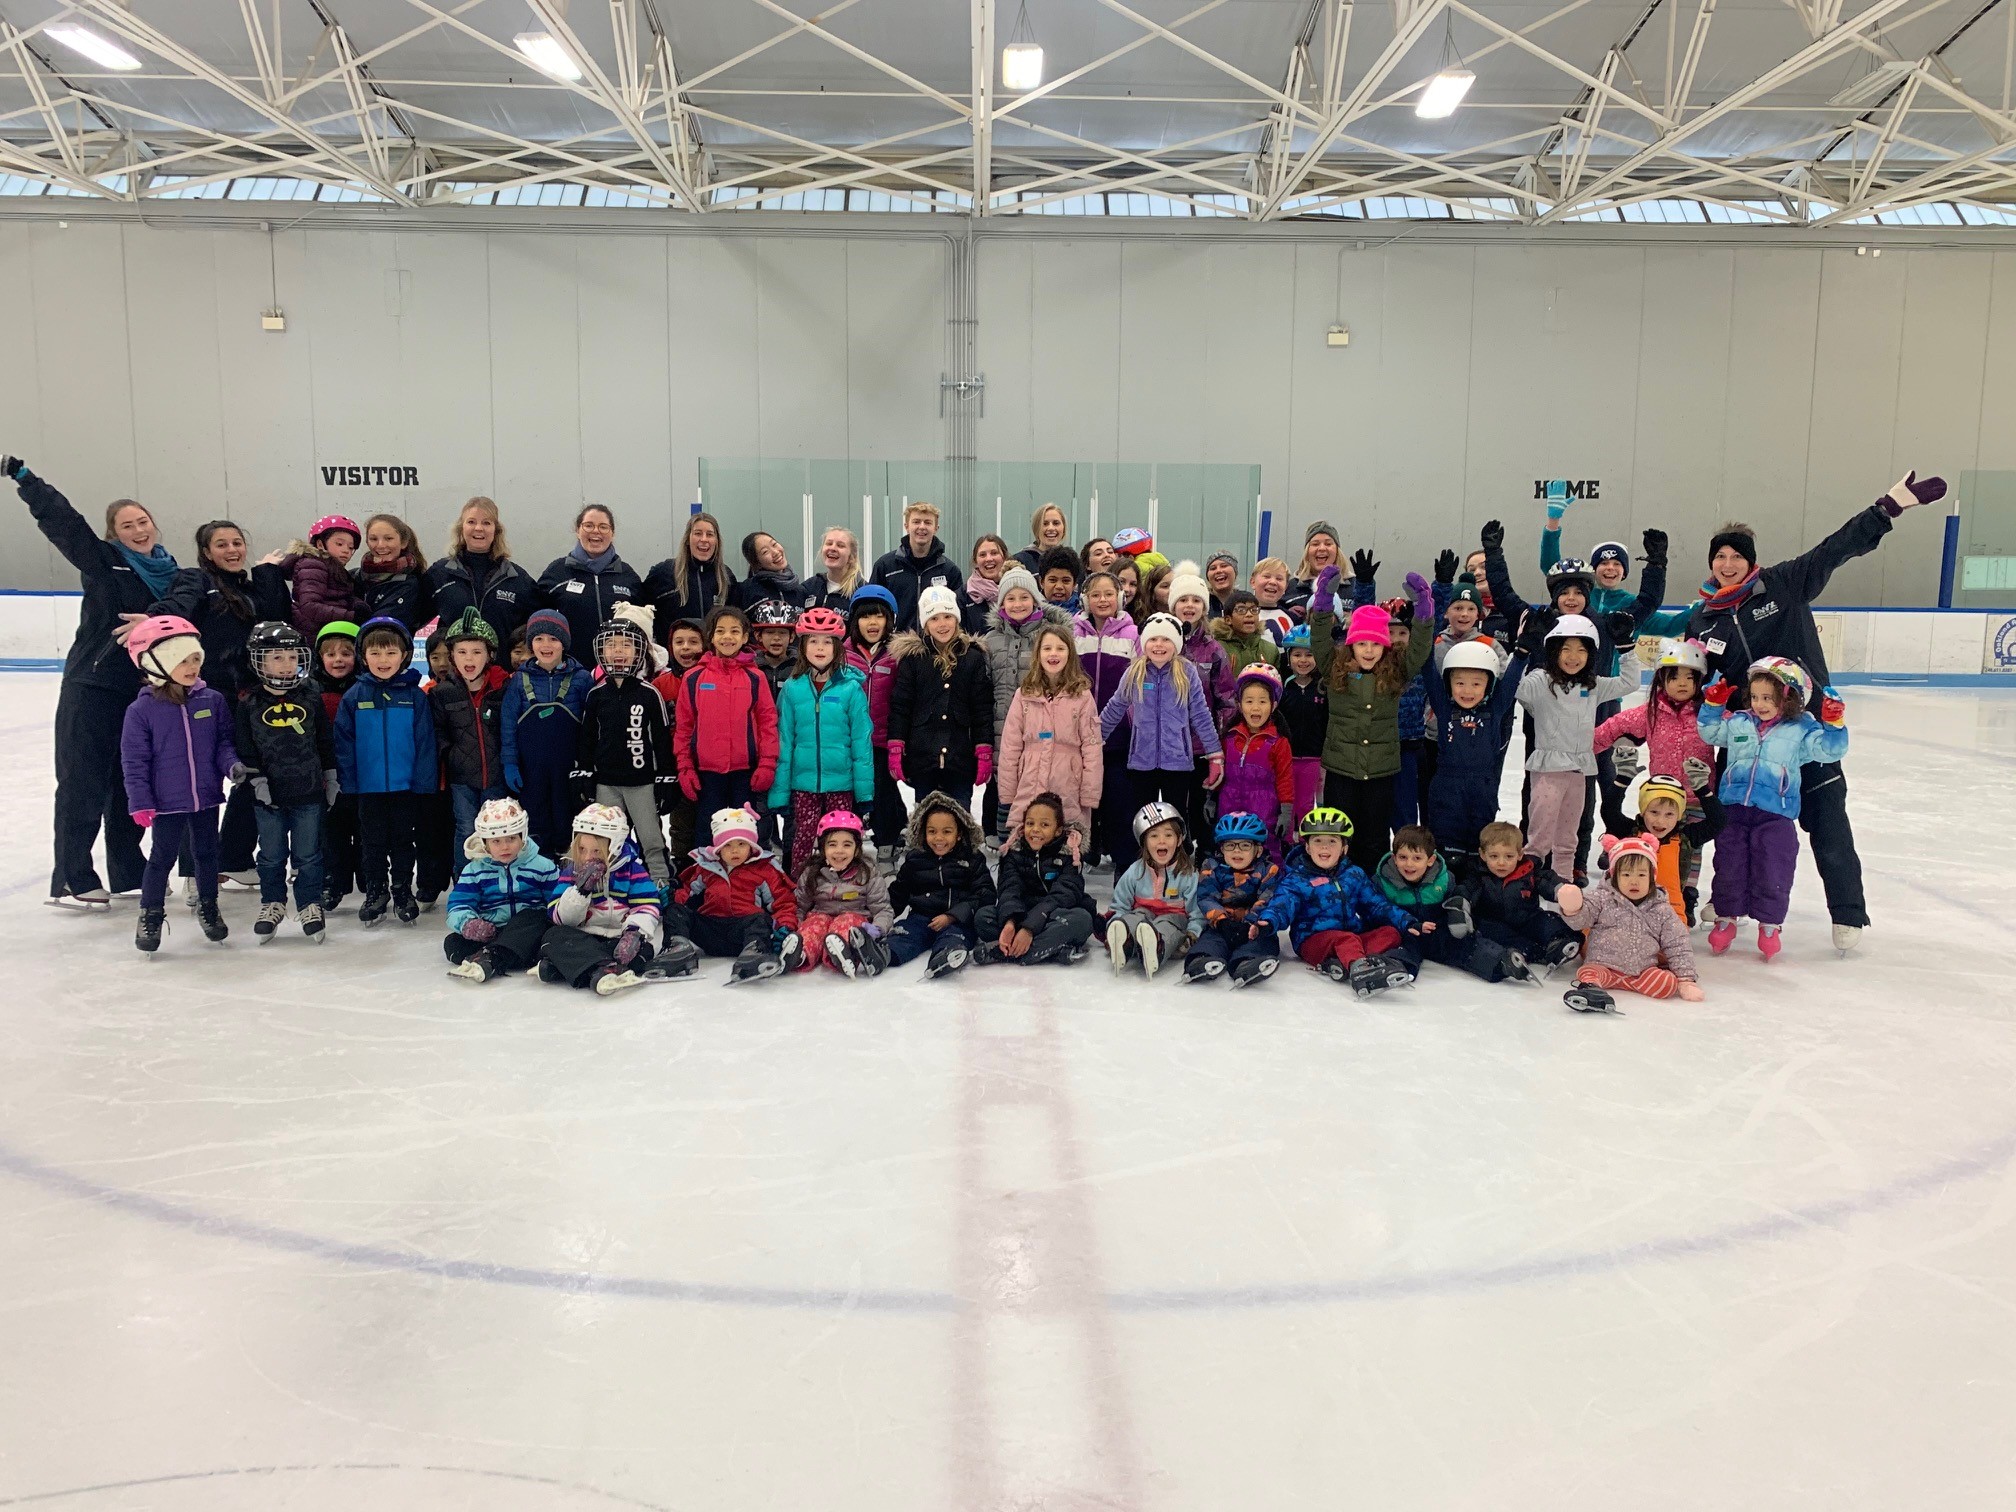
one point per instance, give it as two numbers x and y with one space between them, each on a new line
1741 542
1221 556
734 824
1617 847
1369 623
1467 594
1184 585
550 622
1163 627
1316 528
938 599
1612 551
1019 577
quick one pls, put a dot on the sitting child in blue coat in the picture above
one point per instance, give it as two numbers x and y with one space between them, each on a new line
1230 886
1337 919
497 906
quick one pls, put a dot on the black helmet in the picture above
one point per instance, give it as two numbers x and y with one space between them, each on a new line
773 614
1570 572
277 635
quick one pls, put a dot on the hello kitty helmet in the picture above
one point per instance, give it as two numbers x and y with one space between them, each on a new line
160 643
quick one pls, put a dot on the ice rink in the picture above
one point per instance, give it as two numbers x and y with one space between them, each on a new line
321 1229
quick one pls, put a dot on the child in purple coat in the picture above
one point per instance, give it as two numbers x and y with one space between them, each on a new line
1259 761
1163 699
175 749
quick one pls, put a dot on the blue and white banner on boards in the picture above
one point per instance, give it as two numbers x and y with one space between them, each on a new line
1998 643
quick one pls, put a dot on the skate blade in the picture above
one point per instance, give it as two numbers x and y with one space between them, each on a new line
76 905
1585 1006
762 973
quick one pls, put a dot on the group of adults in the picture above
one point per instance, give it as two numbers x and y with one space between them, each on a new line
127 572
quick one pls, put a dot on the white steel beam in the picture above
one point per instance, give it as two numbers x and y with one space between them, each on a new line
983 105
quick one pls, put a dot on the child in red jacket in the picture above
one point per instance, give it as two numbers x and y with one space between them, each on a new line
724 723
733 900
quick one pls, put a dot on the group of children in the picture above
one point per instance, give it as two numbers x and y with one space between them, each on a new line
1305 729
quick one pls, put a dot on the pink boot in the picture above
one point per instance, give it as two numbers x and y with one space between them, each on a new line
1722 936
1768 943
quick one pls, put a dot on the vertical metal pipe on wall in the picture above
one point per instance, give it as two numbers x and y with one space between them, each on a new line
961 404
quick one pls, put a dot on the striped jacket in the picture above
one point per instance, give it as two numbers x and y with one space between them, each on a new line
495 890
627 899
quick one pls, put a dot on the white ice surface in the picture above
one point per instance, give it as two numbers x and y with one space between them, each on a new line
322 1229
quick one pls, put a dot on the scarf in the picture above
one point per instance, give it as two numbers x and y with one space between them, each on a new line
1715 599
580 558
983 590
157 568
1073 606
398 566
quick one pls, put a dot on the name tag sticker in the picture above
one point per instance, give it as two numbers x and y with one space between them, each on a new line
1716 648
574 588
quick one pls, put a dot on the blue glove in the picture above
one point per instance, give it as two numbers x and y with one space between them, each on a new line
1557 503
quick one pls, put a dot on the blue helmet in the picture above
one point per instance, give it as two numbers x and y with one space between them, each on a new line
1240 827
872 594
1296 639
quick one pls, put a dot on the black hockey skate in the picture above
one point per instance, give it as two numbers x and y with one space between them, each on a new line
1198 968
754 965
371 912
147 933
211 918
1586 999
944 960
870 953
677 959
1246 973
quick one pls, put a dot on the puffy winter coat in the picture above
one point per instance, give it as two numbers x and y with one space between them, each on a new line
111 588
878 677
824 743
714 890
1244 651
1512 900
385 737
469 728
535 696
1167 728
397 590
1036 885
706 586
1304 715
1564 720
487 888
627 899
176 756
1226 893
724 720
502 592
625 740
1670 733
1106 651
1259 772
1052 745
907 576
956 883
197 595
1470 743
1423 899
287 739
331 690
1362 738
1529 623
762 585
1309 900
324 592
942 719
1215 666
1628 937
1010 649
862 890
1674 849
1168 892
586 596
1764 759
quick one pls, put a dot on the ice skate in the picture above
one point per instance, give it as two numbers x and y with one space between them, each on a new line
1335 969
246 878
986 953
944 960
1516 969
1846 938
612 979
148 931
427 900
870 952
1769 941
404 908
1722 936
91 900
753 965
267 925
1586 999
371 912
791 954
677 959
312 926
1150 946
840 951
1246 973
1396 972
1116 945
211 918
477 968
1566 953
1198 968
1365 977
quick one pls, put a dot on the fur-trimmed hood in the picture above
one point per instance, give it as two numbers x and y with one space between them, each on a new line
935 802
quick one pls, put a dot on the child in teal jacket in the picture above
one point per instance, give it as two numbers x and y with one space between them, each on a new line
825 735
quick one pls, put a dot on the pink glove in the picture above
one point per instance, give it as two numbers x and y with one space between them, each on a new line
479 930
144 818
689 784
590 875
628 944
1215 774
986 766
895 761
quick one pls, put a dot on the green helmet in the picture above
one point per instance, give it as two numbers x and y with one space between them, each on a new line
1325 821
344 628
469 625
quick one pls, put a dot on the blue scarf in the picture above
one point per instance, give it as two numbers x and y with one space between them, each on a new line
580 558
157 569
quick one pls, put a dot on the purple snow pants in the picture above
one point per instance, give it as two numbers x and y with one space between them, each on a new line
1755 857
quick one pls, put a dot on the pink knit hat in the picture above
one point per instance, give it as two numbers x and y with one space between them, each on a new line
1369 623
734 824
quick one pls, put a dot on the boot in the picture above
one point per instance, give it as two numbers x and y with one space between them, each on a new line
479 967
1722 936
791 957
677 957
1769 943
147 933
945 959
871 952
1150 946
1116 945
211 918
1198 968
754 964
1586 999
312 925
404 909
271 917
1258 969
611 979
371 912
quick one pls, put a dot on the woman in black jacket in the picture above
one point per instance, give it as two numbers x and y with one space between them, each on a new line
770 575
224 598
478 574
585 586
688 586
123 572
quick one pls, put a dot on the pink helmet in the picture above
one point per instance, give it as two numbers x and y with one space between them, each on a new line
839 819
160 643
1264 675
327 523
820 620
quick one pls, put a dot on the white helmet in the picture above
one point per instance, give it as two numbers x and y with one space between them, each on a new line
611 823
1690 654
498 819
1157 812
1576 627
1471 656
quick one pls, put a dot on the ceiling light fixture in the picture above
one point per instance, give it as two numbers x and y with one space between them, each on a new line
1022 58
546 53
87 43
1446 90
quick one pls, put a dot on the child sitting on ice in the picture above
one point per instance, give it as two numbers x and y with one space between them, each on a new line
1338 921
1229 887
733 900
605 911
1499 903
497 905
844 917
1636 942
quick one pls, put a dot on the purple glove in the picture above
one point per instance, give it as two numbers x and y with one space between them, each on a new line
1326 586
1912 491
1424 600
482 931
590 875
628 944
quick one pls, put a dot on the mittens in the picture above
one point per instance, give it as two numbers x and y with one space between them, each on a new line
1624 760
262 790
1326 587
1424 600
332 789
628 944
1697 773
1833 712
1214 774
895 761
986 773
1716 694
1456 916
144 818
590 875
1557 503
1911 491
479 930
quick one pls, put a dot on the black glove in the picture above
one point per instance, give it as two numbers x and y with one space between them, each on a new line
1622 627
1445 567
584 786
15 468
1655 548
666 791
1493 536
1363 567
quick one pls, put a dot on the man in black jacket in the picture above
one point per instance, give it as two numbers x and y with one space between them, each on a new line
917 563
1746 612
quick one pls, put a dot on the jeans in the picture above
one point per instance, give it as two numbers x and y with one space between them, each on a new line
913 937
296 830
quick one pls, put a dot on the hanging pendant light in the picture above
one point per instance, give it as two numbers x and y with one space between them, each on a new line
1446 90
1022 58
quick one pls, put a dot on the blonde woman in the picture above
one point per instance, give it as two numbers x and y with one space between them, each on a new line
478 573
1047 529
688 586
839 572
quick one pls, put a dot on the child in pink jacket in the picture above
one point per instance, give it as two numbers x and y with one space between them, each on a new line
1051 742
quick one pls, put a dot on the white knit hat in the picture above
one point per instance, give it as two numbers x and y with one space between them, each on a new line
937 599
1188 586
1163 627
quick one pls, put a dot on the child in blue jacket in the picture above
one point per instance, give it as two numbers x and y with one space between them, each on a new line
385 757
1758 850
543 705
1339 921
1155 913
1471 701
497 906
1230 886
